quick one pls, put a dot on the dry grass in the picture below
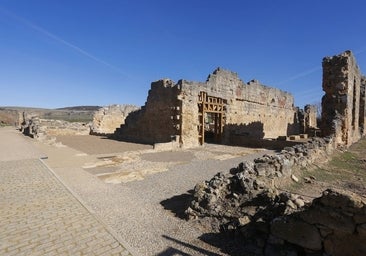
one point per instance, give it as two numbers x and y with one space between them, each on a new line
345 170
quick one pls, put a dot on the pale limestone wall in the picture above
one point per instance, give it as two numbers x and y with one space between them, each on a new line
107 119
157 121
252 109
341 103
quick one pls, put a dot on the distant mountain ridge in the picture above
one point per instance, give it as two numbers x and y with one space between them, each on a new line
81 108
71 114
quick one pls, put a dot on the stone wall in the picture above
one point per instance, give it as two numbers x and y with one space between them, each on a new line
157 121
107 119
251 110
38 128
363 106
271 222
343 105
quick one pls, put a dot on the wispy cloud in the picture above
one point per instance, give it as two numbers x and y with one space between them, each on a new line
300 75
60 40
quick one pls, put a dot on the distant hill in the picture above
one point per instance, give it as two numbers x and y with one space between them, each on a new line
71 114
81 108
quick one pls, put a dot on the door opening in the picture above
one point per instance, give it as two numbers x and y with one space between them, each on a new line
211 114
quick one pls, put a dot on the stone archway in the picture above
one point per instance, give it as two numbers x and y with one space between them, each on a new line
213 107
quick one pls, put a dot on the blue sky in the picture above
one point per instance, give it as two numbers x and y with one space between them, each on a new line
88 52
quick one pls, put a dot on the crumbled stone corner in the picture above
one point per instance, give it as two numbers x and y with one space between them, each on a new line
107 119
343 104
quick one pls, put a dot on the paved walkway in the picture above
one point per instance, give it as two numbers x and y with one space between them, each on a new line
38 214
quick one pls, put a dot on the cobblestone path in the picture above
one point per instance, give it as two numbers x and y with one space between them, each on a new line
40 216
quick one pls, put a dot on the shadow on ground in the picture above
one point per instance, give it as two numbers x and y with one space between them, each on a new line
178 204
173 251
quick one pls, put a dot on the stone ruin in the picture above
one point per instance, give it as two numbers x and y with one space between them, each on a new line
343 105
44 129
223 109
107 119
105 122
247 199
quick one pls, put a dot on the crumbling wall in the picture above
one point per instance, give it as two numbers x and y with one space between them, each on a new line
38 128
157 121
107 119
342 114
252 109
247 201
362 106
224 196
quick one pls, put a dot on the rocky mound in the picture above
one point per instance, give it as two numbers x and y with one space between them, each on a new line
247 202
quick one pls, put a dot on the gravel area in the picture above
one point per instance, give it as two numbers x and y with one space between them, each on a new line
99 144
146 213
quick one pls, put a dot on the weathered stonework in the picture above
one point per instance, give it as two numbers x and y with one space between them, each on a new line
155 122
343 105
362 106
310 117
107 119
247 198
224 104
38 128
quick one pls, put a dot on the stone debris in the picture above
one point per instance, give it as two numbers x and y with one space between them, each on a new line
224 195
47 129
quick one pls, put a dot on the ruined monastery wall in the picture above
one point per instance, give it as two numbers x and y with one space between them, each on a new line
156 121
172 110
252 109
107 119
343 104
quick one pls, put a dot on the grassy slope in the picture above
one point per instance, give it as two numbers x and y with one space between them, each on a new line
346 170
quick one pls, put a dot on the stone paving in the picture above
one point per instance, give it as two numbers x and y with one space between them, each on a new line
40 216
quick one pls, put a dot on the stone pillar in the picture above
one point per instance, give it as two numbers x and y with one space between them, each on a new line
362 107
341 102
310 114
